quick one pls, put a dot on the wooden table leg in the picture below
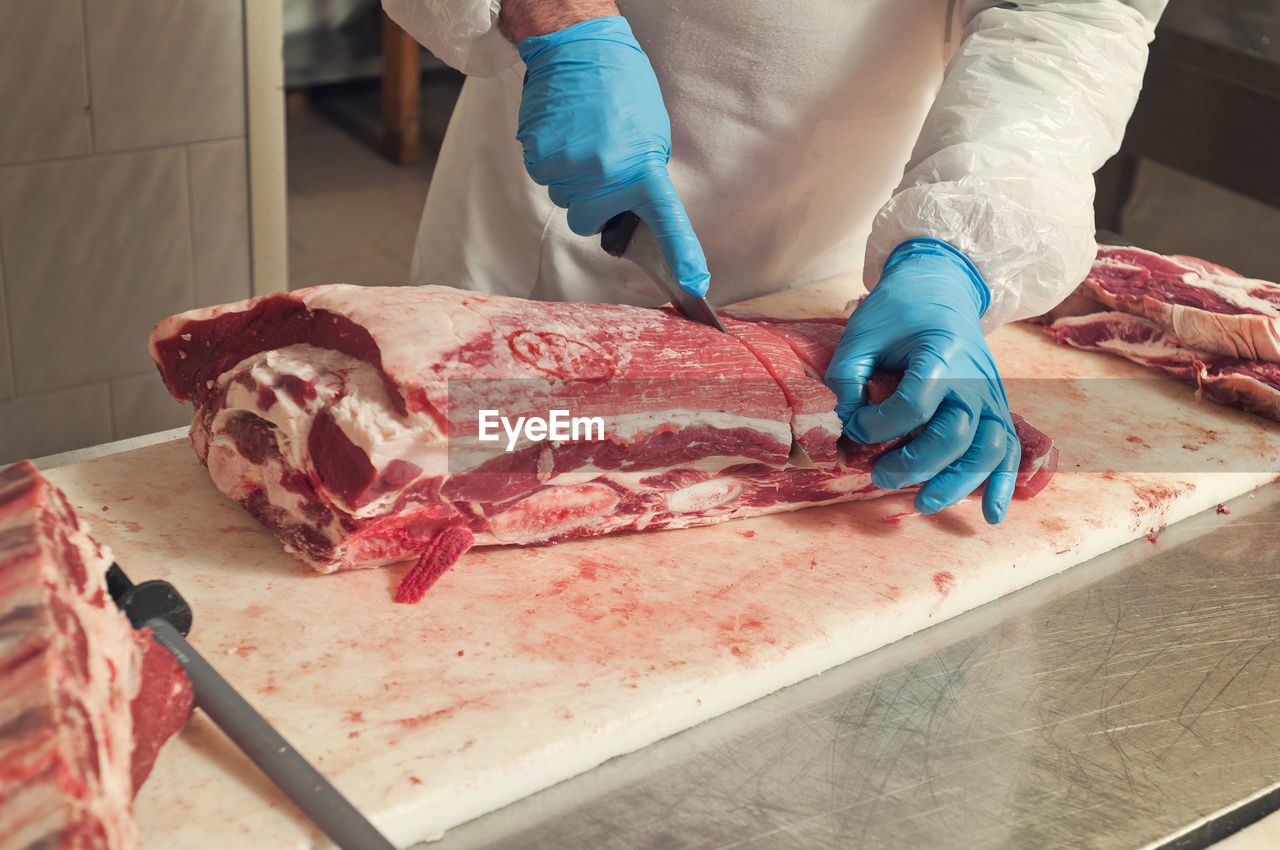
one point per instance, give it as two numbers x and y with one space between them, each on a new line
400 82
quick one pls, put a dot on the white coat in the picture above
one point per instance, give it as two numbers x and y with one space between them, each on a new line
809 138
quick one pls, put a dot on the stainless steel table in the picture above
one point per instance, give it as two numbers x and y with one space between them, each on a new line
1133 701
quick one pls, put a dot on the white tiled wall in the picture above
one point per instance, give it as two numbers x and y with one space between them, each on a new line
43 93
123 199
165 71
219 219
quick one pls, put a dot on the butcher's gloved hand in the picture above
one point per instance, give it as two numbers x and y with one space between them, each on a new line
596 133
923 318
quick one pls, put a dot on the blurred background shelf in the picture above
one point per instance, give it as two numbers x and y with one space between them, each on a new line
323 60
1207 124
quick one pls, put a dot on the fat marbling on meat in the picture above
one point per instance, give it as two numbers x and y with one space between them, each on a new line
1204 306
85 701
1188 317
346 419
1253 385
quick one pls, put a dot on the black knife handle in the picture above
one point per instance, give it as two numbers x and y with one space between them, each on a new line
155 598
616 235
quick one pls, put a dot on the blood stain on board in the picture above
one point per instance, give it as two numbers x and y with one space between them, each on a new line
1161 496
745 630
944 582
558 587
1053 525
748 534
1154 502
128 526
441 714
626 608
741 622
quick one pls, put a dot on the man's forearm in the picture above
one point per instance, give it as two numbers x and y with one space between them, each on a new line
520 19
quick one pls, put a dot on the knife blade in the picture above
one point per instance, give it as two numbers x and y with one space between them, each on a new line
627 236
158 605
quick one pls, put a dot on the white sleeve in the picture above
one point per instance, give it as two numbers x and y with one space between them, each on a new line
1033 102
461 33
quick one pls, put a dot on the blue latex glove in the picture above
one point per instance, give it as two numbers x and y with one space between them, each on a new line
596 133
923 318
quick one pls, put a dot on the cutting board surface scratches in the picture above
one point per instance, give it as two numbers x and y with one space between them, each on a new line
523 667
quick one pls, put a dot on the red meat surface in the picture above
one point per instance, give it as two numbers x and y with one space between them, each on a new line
348 419
1203 306
85 701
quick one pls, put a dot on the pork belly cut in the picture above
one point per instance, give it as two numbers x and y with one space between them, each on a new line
1253 385
85 701
1206 307
348 419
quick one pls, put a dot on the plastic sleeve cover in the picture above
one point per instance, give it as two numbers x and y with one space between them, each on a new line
462 33
1034 101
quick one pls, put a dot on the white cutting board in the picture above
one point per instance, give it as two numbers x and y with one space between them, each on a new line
524 667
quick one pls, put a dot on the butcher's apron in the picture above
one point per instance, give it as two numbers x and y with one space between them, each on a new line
791 122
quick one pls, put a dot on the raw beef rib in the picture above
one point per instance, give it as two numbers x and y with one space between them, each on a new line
1250 384
346 419
1205 307
85 701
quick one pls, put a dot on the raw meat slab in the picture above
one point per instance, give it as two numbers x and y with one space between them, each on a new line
1207 307
525 666
86 702
347 420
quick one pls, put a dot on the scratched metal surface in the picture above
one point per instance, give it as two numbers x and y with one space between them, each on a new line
1122 704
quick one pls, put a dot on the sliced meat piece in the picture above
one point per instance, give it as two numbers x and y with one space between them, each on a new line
1253 385
160 709
1039 459
85 702
814 423
1205 306
352 420
813 340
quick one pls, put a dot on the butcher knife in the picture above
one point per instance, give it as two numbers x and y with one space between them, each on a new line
158 606
627 236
